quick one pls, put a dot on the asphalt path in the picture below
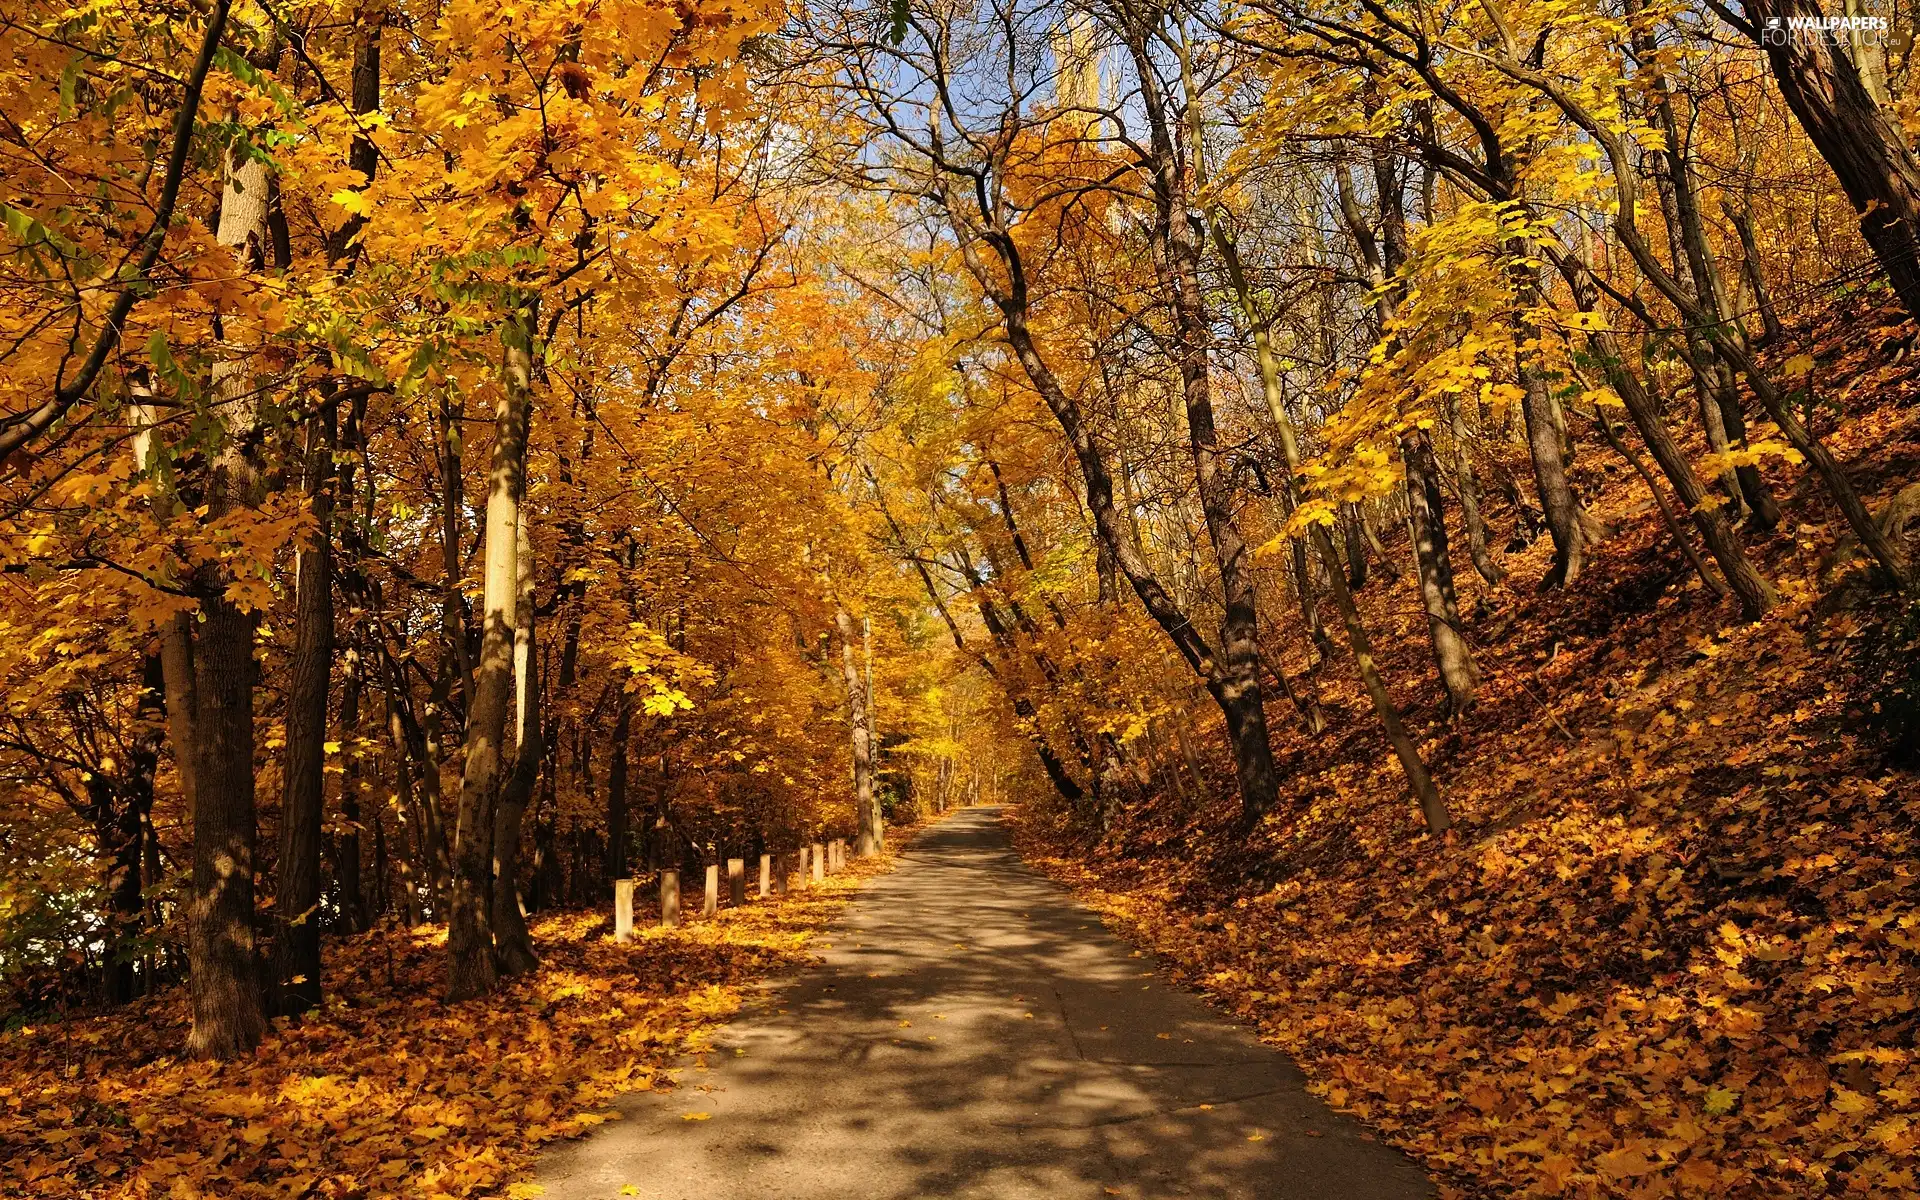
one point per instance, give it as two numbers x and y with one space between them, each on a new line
973 1032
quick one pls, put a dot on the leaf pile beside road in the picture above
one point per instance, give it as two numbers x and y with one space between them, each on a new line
1673 945
389 1091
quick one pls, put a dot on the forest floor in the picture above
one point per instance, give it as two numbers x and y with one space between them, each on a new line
389 1091
1672 947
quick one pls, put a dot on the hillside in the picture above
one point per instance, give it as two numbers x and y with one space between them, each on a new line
1672 946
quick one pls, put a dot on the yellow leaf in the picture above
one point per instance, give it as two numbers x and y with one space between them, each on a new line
1850 1102
1624 1163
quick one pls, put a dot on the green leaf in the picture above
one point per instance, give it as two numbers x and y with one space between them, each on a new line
69 81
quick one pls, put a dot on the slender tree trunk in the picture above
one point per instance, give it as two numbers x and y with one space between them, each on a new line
1713 582
412 845
1426 519
350 876
125 830
617 776
1547 452
453 612
513 944
1233 677
423 752
1432 807
303 798
469 934
865 807
176 633
1756 595
176 659
1770 328
1469 483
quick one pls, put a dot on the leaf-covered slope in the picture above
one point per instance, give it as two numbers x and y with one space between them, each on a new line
1674 948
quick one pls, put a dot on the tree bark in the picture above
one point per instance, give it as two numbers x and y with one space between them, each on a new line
123 808
470 957
618 820
860 721
303 797
1426 519
1860 140
1546 451
1234 676
1432 808
1756 595
453 609
1770 328
513 945
1469 485
228 1019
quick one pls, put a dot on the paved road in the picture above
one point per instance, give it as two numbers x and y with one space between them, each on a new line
975 1033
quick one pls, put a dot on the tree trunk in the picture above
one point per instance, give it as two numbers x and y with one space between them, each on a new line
1469 484
1713 582
176 661
469 934
1860 140
1546 451
453 610
228 1019
1770 328
1756 595
347 867
412 845
617 779
1233 676
176 634
303 798
866 809
513 944
1426 519
1432 807
124 830
1355 545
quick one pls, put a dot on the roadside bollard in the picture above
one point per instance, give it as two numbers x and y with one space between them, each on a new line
670 898
766 874
623 910
736 881
713 890
819 862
